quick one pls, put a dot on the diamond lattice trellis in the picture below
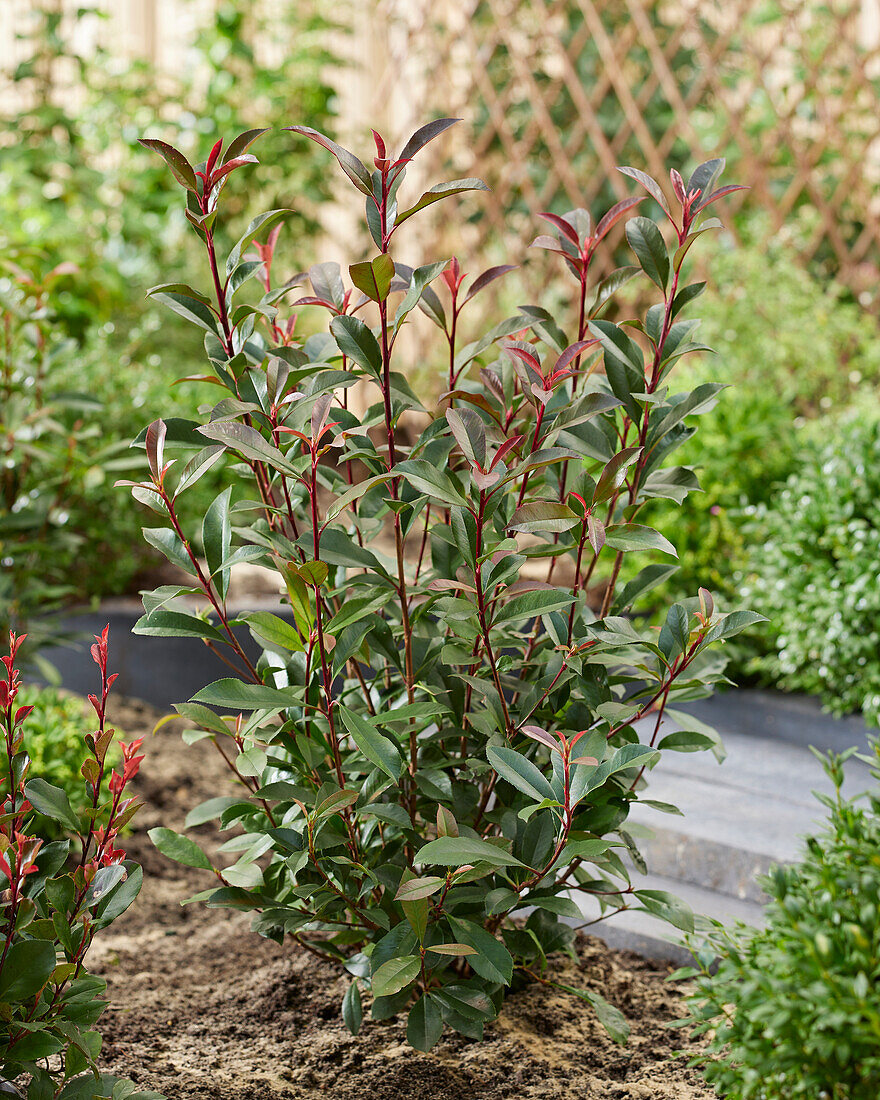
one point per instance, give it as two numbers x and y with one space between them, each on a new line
555 93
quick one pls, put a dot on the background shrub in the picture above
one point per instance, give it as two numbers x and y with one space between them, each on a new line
793 1010
78 194
793 349
812 567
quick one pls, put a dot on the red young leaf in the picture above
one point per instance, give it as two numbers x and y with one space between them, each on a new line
506 447
155 443
231 165
348 162
720 193
212 157
529 358
562 225
572 352
649 184
678 185
489 276
538 734
615 214
425 134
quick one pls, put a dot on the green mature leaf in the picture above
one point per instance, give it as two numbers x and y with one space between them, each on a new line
217 539
492 960
237 695
169 543
52 802
26 969
424 1025
733 624
191 309
420 293
426 478
520 772
686 741
675 632
373 277
456 851
644 581
248 442
333 803
667 907
611 1018
179 848
442 191
470 433
377 748
121 897
627 756
274 630
614 474
358 343
587 850
394 975
352 1008
635 536
543 515
531 604
415 889
647 242
163 622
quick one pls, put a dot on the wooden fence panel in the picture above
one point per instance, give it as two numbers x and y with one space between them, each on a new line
555 93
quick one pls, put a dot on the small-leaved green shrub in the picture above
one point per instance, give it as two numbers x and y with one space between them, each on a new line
814 553
55 896
438 746
793 1011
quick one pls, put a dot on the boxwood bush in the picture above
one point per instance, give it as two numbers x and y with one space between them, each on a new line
812 567
793 1010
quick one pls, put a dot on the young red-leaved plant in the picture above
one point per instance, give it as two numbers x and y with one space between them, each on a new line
57 894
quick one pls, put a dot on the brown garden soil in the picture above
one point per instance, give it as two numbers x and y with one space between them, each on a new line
203 1009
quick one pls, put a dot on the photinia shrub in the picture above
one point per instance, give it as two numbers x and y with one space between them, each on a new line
54 897
55 745
440 740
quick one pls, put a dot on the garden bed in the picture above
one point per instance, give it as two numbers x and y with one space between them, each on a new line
202 1008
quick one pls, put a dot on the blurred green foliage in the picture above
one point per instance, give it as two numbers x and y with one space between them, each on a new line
814 553
77 190
791 348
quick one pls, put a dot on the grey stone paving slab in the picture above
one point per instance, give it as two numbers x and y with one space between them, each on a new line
758 800
778 716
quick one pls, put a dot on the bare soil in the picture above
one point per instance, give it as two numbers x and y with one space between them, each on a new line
203 1009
